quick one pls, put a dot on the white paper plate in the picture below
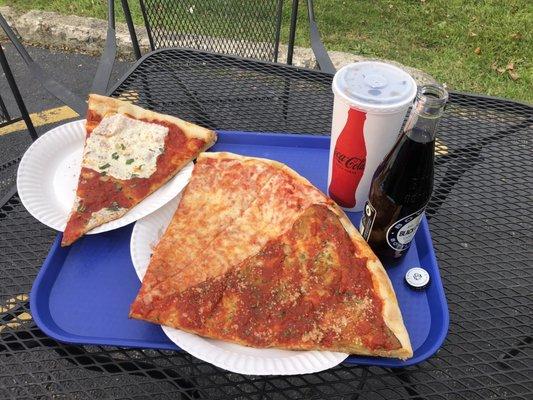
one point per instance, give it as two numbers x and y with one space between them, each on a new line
48 175
232 357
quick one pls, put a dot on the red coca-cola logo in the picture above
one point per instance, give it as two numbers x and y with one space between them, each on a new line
349 159
350 163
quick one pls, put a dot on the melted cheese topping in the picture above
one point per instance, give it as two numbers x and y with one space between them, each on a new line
124 148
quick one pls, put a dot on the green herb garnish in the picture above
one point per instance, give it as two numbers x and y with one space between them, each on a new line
114 156
122 146
106 165
129 161
81 208
114 206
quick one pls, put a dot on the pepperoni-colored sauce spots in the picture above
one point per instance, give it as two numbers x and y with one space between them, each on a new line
99 192
93 119
305 289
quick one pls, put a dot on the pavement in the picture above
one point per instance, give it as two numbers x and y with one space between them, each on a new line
74 71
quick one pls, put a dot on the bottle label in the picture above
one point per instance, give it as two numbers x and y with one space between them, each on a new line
367 221
402 232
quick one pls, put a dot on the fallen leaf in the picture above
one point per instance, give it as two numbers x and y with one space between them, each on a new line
514 75
472 34
510 66
494 66
500 70
477 50
24 316
516 36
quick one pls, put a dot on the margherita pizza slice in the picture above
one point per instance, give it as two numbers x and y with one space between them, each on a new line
129 153
290 272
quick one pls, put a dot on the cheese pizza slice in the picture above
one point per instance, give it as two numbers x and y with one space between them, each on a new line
229 210
220 190
129 153
290 271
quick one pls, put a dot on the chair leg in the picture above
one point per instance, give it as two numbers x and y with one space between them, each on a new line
16 93
4 113
292 31
320 52
131 29
8 194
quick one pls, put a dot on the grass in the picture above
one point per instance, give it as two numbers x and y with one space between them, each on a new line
475 46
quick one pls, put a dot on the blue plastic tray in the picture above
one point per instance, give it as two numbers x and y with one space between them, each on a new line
83 292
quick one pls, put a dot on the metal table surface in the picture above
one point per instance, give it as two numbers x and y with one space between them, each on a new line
480 219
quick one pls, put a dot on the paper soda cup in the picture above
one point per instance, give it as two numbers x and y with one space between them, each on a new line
370 102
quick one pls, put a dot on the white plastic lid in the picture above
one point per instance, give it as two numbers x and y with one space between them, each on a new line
375 87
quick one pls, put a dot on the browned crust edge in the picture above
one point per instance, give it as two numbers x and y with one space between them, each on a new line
392 315
103 105
276 164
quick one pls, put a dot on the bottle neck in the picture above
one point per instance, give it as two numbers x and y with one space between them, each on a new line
426 113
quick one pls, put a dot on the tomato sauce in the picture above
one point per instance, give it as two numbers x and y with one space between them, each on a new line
306 287
177 149
99 191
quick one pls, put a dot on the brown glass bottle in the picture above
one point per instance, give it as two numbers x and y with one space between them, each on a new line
403 182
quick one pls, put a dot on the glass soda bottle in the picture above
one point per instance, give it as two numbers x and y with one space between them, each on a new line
402 184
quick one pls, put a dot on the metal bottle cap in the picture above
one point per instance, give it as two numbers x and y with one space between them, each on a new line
417 278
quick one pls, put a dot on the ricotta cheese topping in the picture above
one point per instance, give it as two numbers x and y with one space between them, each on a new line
124 148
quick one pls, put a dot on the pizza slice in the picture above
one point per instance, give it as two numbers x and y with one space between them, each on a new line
129 153
220 190
228 211
290 272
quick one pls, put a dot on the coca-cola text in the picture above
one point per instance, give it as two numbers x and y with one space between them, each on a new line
349 159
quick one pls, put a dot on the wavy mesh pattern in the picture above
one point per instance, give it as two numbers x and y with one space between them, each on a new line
480 220
247 28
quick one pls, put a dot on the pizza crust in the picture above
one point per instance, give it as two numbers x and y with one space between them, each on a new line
383 286
276 164
353 349
103 105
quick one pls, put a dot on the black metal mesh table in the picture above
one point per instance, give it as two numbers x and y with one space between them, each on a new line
480 219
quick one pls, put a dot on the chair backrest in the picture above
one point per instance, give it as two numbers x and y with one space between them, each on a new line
246 28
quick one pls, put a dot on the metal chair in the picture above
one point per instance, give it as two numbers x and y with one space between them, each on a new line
245 28
51 85
168 26
8 188
159 24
